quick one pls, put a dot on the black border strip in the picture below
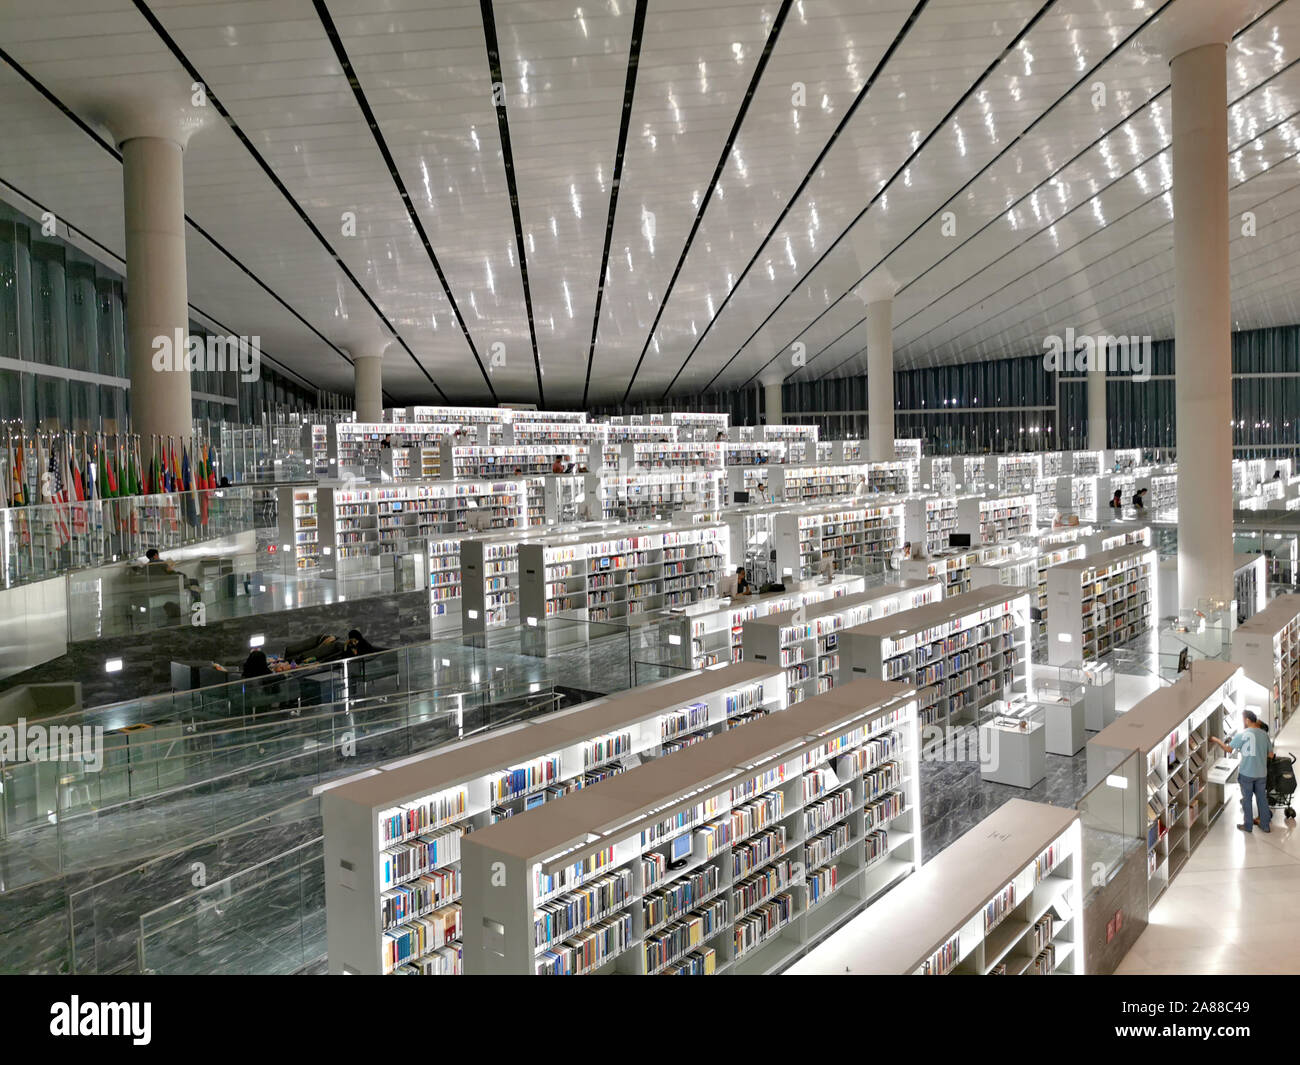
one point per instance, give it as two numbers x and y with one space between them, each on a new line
629 88
707 198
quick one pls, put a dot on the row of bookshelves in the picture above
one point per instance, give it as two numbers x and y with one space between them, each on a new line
962 653
722 877
805 641
409 826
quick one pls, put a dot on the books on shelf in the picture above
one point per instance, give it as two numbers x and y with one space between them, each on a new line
985 905
745 870
398 902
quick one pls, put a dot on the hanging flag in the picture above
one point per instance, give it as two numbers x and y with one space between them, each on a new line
73 492
91 451
58 497
20 476
6 475
78 486
110 479
136 485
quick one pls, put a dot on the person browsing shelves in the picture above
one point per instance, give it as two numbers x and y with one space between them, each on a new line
743 587
1256 748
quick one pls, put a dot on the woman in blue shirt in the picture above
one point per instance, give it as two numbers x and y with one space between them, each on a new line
1256 748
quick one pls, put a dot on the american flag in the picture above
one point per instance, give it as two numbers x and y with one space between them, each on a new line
59 496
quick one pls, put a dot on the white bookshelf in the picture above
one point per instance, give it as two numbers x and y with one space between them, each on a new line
710 632
459 415
314 440
961 654
413 814
488 461
754 453
804 538
1045 492
442 562
1078 494
908 450
952 567
347 530
304 530
929 520
1124 460
812 483
644 495
613 576
1088 463
410 463
895 477
637 455
713 420
939 473
793 823
1183 777
1267 647
804 641
989 520
1029 571
358 446
619 432
522 416
1056 463
800 440
1013 474
490 584
1007 898
1098 602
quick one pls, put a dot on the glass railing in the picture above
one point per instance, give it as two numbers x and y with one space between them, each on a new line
211 749
166 786
1113 814
278 903
169 913
49 539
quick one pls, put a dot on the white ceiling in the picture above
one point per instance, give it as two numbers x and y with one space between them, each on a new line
854 126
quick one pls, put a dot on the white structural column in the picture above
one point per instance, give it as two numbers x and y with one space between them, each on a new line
369 389
1097 406
880 380
1202 326
772 402
157 313
368 369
